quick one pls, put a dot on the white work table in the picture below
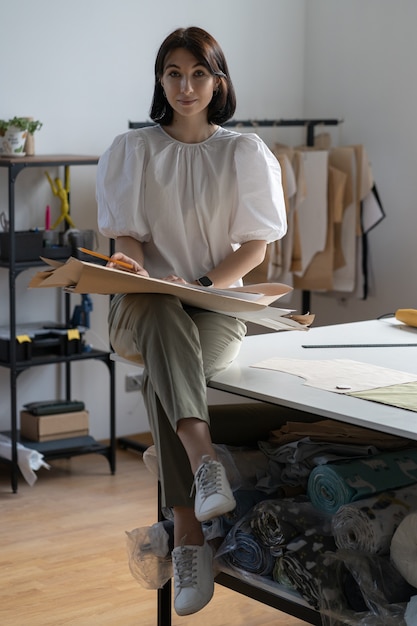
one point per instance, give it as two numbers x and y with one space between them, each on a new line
288 390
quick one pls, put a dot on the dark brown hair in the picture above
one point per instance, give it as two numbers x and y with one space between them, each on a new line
208 52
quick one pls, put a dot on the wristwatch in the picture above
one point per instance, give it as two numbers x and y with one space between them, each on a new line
205 281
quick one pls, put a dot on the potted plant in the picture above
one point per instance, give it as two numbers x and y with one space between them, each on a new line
14 134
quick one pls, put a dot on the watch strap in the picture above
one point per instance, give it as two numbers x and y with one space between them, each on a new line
205 281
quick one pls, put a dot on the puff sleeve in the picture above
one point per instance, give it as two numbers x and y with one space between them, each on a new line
120 189
260 208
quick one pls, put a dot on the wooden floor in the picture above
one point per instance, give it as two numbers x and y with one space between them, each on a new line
63 555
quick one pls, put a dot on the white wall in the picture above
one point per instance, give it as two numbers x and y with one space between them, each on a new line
86 67
360 66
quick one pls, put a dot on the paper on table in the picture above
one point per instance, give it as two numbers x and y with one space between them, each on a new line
274 318
338 375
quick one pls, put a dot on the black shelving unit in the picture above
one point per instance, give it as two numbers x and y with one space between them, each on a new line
60 448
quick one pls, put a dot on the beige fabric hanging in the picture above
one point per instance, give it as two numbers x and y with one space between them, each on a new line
312 211
330 204
298 165
344 277
319 274
284 257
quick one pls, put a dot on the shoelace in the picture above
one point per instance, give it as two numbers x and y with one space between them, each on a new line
208 478
185 570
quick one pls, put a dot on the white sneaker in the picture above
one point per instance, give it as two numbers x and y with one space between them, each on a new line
193 578
213 495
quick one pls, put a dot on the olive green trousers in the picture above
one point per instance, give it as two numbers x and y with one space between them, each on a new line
182 348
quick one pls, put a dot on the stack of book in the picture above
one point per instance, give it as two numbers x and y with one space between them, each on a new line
53 419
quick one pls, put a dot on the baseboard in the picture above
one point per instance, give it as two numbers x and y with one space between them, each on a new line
138 441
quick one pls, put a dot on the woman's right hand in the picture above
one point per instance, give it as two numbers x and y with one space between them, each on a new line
136 267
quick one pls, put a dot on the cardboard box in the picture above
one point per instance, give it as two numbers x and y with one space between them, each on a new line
50 427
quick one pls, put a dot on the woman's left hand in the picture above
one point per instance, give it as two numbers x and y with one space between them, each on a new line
175 279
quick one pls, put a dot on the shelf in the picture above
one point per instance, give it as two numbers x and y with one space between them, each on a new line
25 265
16 164
270 593
64 448
48 159
53 359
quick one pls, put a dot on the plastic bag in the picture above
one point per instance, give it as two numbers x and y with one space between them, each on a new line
149 553
28 459
373 594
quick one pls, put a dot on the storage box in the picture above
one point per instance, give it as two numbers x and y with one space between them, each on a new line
23 350
40 341
50 427
28 245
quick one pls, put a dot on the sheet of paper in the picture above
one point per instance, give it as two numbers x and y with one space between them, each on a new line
338 375
83 277
270 317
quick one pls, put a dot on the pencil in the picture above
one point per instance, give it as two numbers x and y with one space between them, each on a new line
128 266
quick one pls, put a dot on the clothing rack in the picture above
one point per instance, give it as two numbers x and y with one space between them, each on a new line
309 124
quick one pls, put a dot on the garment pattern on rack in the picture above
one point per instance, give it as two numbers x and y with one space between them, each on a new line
332 204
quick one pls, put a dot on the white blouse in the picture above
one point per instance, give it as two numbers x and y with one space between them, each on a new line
189 204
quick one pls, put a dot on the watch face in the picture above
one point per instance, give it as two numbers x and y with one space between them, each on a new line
205 281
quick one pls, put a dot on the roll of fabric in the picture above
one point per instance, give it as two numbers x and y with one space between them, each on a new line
242 550
404 548
279 575
276 522
269 525
336 484
303 564
295 460
368 525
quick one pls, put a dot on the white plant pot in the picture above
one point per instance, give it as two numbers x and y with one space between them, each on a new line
13 142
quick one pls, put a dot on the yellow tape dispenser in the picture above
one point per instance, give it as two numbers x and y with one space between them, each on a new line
408 316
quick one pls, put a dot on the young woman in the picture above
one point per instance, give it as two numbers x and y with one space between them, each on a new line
187 201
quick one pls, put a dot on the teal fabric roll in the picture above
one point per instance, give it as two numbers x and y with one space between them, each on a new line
332 485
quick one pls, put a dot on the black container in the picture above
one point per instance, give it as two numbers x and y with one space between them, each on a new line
56 252
23 350
28 245
42 345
